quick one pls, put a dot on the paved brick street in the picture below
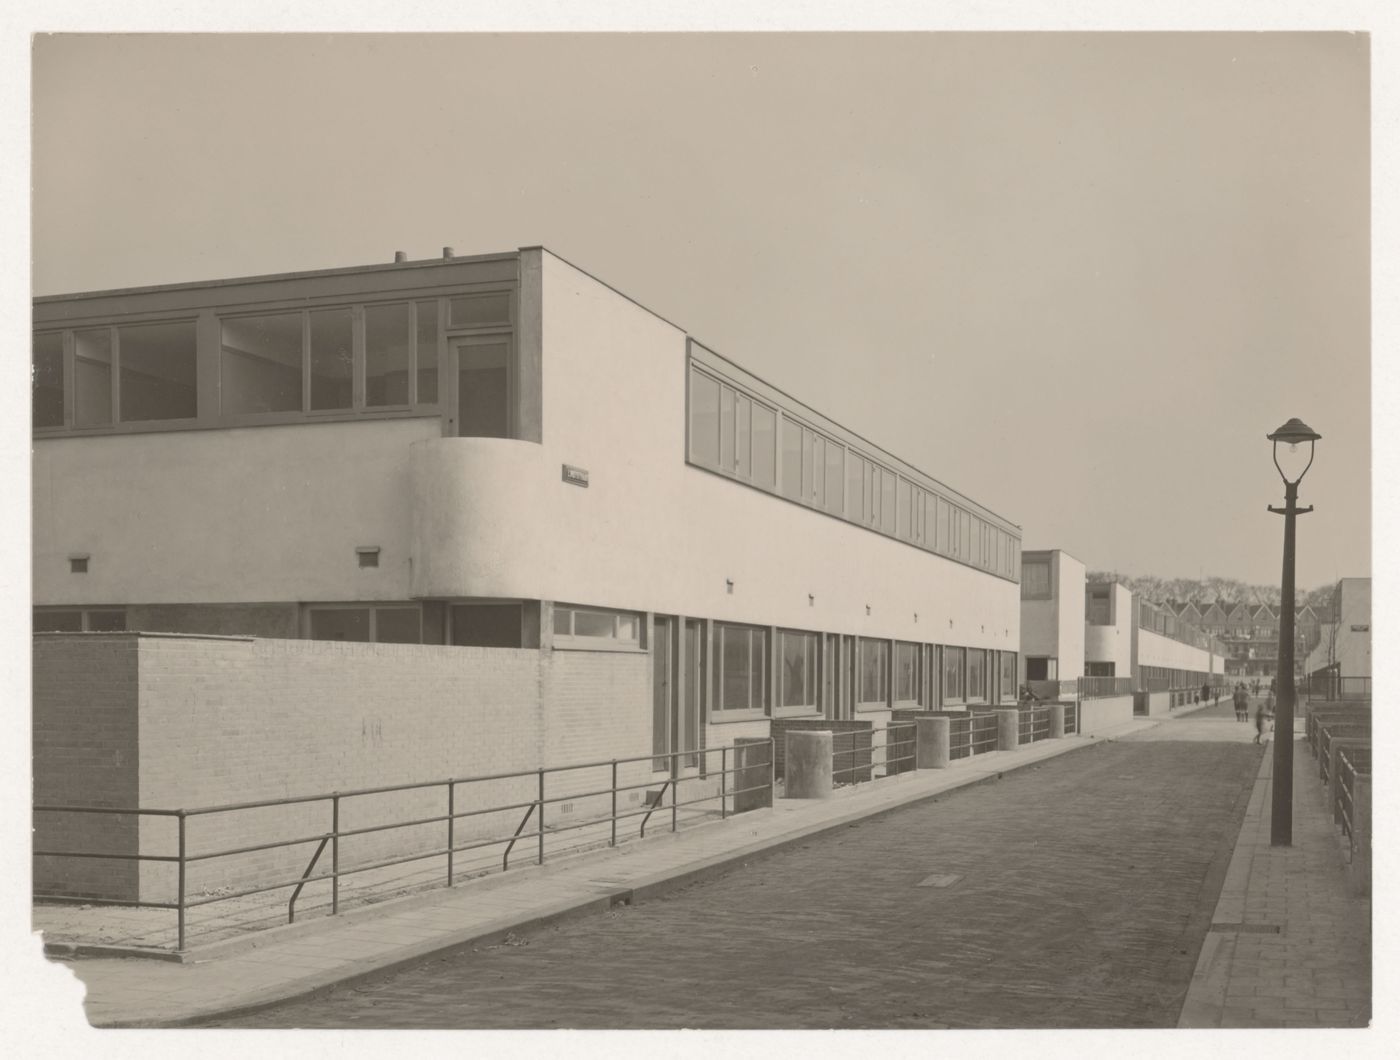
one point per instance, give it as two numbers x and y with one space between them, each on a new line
1084 889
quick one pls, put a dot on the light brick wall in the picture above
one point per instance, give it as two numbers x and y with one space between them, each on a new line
223 720
85 753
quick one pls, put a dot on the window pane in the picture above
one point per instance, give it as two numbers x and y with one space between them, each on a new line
704 420
906 509
906 670
593 624
488 625
58 621
743 457
157 372
953 673
726 428
563 621
855 488
106 621
734 661
48 380
792 460
386 355
479 309
482 390
349 623
887 504
834 456
92 383
758 669
1036 579
1010 687
813 461
260 364
873 660
332 361
764 442
627 628
976 674
799 652
397 625
944 544
427 351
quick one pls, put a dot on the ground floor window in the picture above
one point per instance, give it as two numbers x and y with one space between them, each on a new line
742 662
797 678
377 624
79 620
954 690
1009 687
874 672
976 675
581 627
487 625
907 684
1041 668
1098 669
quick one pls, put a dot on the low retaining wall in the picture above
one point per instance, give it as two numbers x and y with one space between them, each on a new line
1105 713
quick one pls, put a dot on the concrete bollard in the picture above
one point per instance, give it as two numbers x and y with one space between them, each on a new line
1057 721
933 743
807 765
1360 874
1008 729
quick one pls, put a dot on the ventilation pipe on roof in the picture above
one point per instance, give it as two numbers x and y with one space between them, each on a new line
400 257
448 252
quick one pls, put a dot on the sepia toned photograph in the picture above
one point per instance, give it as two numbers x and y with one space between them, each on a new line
726 531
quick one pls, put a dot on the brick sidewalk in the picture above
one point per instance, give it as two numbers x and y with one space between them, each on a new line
1314 970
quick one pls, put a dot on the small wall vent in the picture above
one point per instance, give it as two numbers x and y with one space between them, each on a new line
369 555
78 563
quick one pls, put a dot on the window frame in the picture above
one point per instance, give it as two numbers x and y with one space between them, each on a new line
718 710
811 671
372 607
948 653
573 641
84 620
883 672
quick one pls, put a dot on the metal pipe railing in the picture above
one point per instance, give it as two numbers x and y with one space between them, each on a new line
891 753
745 759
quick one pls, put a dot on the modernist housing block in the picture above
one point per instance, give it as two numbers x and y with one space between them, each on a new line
501 452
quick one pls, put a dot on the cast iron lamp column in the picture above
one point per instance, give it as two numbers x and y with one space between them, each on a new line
1292 434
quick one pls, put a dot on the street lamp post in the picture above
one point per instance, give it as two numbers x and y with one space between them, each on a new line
1292 435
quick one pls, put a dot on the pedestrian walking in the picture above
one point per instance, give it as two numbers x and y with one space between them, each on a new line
1259 723
1269 709
1204 697
1216 690
1241 703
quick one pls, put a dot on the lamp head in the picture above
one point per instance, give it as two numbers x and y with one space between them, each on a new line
1295 463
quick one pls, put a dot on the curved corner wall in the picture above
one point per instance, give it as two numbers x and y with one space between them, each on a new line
478 523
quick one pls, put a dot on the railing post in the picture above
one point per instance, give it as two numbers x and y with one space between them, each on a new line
723 777
335 854
180 898
675 789
451 808
540 857
613 841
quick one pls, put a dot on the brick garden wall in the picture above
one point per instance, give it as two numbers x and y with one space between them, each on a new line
225 720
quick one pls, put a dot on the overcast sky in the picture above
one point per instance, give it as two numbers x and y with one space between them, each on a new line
1077 277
